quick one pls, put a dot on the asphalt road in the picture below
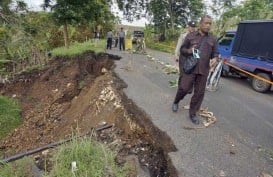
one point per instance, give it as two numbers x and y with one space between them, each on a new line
244 120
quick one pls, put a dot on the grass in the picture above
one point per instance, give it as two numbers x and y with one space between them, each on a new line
81 84
20 168
168 47
79 48
10 115
92 159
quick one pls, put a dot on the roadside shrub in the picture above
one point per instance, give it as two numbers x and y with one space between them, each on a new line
92 160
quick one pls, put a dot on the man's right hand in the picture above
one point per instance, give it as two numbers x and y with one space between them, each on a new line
190 50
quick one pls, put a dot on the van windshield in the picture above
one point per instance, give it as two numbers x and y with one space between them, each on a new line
138 33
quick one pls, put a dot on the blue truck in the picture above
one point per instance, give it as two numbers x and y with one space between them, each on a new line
249 49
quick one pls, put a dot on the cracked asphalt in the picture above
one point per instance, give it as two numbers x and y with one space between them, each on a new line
240 144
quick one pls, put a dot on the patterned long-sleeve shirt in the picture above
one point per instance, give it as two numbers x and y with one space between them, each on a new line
208 50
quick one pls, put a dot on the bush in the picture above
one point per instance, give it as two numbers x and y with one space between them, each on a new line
92 159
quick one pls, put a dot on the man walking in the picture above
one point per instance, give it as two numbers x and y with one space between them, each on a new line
207 47
121 39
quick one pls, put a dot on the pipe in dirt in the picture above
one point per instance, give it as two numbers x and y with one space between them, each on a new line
52 145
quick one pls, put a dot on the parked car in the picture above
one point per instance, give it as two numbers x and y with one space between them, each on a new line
250 49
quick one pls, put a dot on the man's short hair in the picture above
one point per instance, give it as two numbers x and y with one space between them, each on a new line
192 24
205 16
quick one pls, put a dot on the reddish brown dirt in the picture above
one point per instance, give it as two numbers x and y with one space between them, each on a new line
75 95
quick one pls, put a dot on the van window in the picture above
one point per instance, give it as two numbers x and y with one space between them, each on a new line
226 40
138 34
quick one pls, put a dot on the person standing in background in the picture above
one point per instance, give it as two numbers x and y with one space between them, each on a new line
116 39
97 37
109 39
190 28
121 39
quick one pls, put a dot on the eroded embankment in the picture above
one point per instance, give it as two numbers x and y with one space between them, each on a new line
79 94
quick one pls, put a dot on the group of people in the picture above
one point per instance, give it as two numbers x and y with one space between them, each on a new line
206 45
118 38
188 42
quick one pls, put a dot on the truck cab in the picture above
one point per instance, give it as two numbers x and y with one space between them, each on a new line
136 36
250 49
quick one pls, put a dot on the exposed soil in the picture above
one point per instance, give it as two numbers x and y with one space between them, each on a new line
78 94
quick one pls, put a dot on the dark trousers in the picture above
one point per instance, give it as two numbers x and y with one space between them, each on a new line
109 43
116 42
121 43
186 83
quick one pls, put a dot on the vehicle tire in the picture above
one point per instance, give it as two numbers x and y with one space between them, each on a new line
243 76
261 86
224 73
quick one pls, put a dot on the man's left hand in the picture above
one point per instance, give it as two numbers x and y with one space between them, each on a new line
213 62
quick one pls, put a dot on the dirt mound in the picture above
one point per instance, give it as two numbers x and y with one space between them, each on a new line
77 94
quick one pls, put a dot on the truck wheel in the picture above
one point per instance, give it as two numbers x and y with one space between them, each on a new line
224 71
261 86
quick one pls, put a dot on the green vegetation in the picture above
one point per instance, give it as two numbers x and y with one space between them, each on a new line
92 160
79 48
67 13
20 168
10 116
81 84
162 46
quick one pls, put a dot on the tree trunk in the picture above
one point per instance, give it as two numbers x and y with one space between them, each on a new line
66 39
171 14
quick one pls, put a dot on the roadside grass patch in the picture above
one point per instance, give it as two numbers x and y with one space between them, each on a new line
10 115
92 160
79 48
161 46
20 168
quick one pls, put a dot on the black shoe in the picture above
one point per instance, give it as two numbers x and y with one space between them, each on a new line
195 120
175 107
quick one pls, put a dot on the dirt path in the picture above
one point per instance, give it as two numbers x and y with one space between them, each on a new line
76 95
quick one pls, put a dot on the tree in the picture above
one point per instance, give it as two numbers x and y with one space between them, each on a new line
5 11
159 14
66 12
4 6
187 10
222 12
20 6
230 15
254 10
18 35
173 13
132 9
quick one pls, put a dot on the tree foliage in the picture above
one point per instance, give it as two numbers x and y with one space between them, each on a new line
221 13
174 13
133 9
70 12
228 14
254 10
